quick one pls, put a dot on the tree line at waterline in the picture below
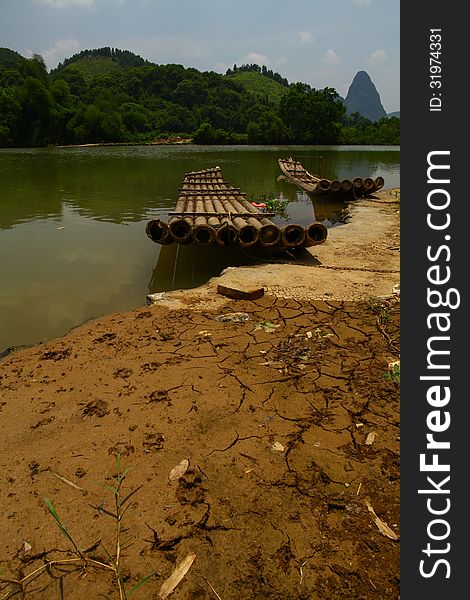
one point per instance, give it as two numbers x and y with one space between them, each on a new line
109 95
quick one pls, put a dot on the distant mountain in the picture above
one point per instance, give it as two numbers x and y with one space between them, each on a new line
364 98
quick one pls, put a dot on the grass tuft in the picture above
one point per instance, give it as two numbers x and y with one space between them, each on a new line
81 561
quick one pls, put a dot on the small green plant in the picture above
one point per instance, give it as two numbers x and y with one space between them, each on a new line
277 206
82 561
382 308
393 374
273 204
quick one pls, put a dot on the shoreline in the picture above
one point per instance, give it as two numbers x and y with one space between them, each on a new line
176 141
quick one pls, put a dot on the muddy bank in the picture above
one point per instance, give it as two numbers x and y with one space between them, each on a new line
285 413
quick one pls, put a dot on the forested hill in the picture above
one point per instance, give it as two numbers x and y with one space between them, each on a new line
121 58
260 85
111 95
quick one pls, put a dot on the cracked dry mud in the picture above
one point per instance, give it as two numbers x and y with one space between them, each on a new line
273 419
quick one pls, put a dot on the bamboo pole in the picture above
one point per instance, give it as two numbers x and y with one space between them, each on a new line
180 227
269 233
357 184
292 235
368 185
213 221
202 233
324 185
247 234
335 186
315 234
251 231
158 231
379 183
227 234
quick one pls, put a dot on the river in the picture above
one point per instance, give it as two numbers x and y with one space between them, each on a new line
72 223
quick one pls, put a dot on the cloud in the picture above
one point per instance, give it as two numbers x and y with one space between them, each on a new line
257 58
377 57
319 78
281 60
305 37
220 67
330 57
66 3
262 59
60 50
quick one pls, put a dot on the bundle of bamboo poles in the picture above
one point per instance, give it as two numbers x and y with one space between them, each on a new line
210 211
357 187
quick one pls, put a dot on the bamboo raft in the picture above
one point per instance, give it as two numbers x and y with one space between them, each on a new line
210 211
357 187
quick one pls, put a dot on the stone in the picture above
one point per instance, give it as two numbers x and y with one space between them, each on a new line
239 293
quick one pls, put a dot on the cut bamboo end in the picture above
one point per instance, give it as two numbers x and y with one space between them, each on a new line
180 231
357 182
379 183
203 235
159 232
292 235
324 185
368 184
346 185
226 235
269 235
315 234
248 236
335 185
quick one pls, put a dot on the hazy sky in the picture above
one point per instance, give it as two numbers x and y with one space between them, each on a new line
320 42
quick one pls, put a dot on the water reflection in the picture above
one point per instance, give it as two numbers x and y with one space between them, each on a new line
307 208
183 267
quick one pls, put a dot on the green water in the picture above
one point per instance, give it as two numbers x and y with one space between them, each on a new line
72 223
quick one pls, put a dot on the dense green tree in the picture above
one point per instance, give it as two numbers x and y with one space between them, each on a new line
60 93
10 109
387 131
191 92
360 130
205 134
112 127
74 79
135 118
269 129
92 120
314 116
36 112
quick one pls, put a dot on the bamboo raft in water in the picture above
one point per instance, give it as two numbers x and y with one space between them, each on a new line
210 211
357 187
